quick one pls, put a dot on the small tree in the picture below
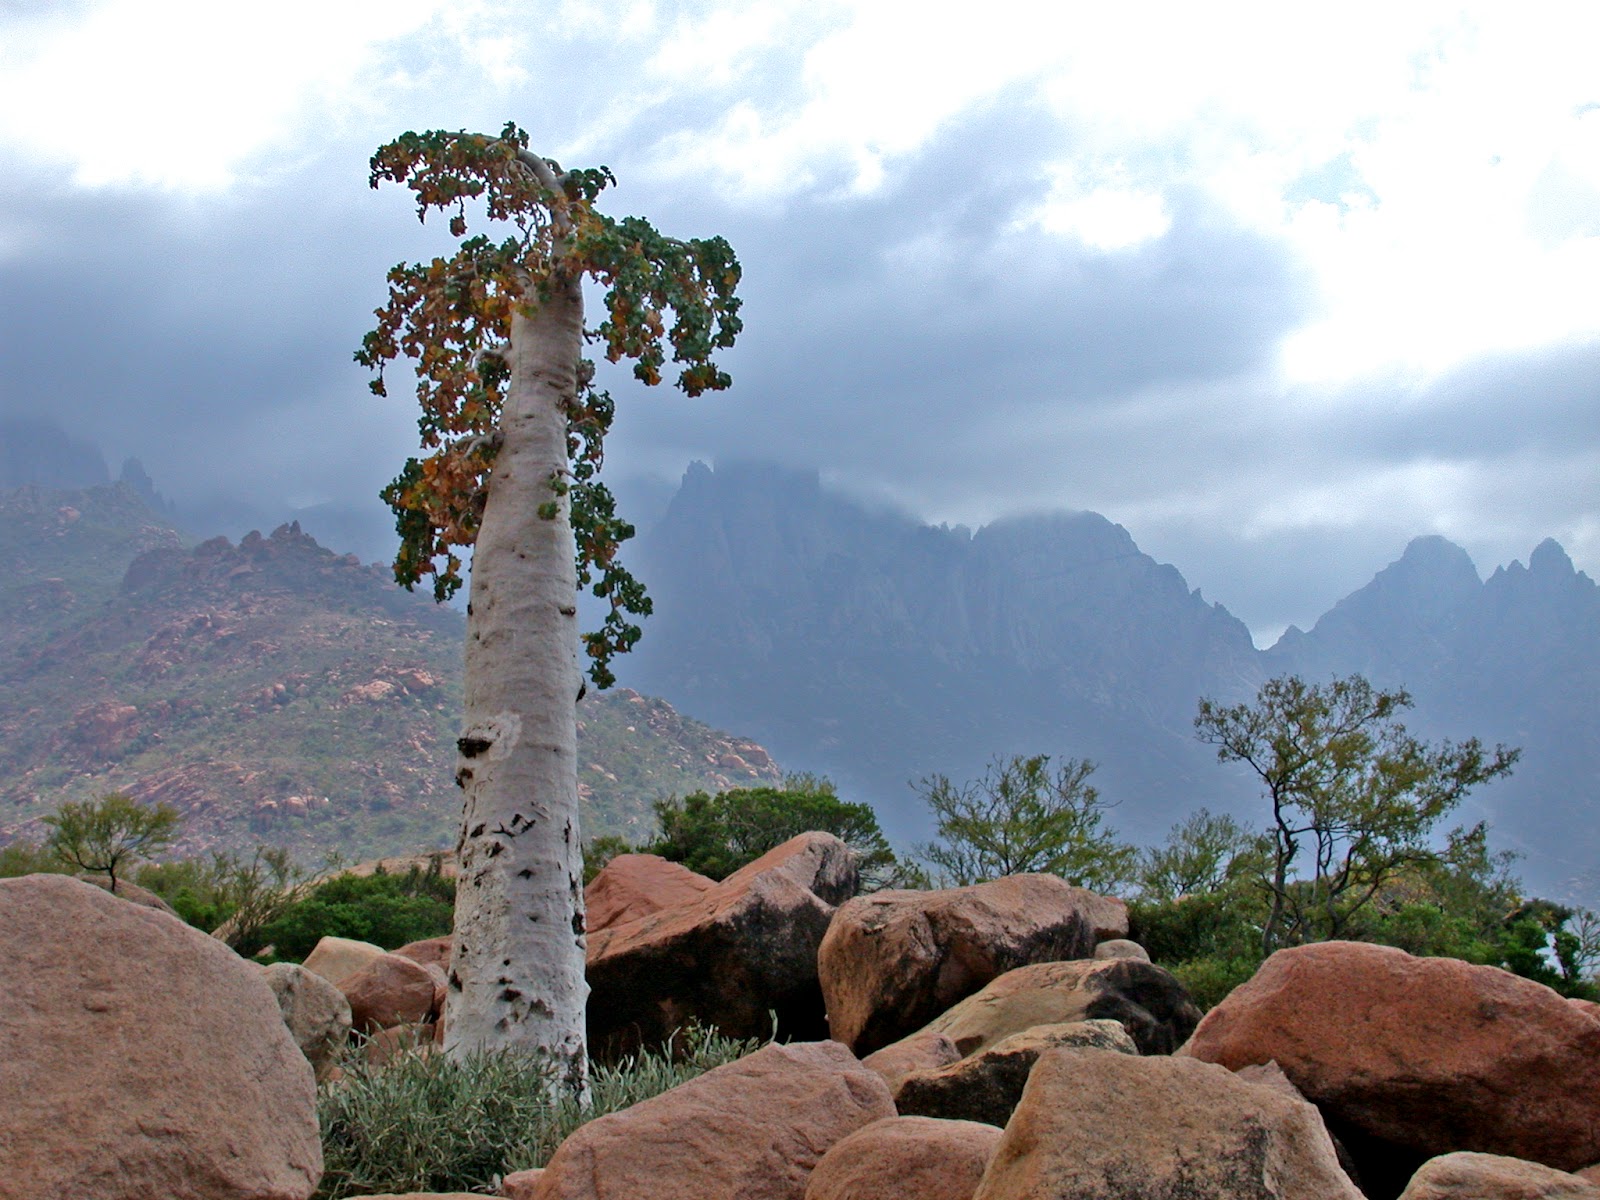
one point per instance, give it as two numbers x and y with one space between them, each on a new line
717 834
1022 817
512 429
1200 855
100 835
1354 798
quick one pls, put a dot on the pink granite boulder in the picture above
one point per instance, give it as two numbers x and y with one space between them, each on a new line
1430 1055
141 1057
906 1158
895 960
738 953
752 1129
631 886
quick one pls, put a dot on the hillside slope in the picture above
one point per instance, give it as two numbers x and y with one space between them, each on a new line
271 690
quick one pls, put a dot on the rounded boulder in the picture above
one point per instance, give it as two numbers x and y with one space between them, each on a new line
1432 1055
140 1057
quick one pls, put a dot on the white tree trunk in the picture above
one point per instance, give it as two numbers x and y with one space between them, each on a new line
517 978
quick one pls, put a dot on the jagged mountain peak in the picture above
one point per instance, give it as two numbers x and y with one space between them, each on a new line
1550 558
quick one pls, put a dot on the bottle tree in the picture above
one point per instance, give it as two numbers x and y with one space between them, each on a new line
512 430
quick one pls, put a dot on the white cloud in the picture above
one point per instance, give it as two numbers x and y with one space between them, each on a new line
176 94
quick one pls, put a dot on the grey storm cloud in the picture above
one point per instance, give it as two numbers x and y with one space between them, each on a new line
917 342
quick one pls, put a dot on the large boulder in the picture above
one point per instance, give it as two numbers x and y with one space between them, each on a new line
430 952
631 886
1148 1000
142 1058
1427 1055
919 1052
1465 1175
390 991
754 1129
894 960
316 1012
906 1158
743 950
1097 1124
336 959
987 1085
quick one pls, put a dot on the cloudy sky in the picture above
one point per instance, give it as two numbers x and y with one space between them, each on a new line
1276 291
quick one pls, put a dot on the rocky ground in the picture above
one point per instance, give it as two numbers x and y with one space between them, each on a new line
146 1059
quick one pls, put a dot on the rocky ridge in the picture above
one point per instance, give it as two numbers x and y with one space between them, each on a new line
271 690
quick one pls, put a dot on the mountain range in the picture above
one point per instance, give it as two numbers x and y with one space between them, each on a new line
877 649
847 640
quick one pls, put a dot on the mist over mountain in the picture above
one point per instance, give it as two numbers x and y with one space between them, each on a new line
864 644
877 649
41 452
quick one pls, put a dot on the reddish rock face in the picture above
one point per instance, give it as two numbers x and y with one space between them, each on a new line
1468 1176
1101 1124
906 1158
894 960
142 1058
741 951
631 886
1428 1054
430 952
919 1052
1147 1000
754 1129
336 959
389 991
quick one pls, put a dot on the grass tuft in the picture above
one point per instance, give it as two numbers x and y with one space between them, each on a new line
428 1123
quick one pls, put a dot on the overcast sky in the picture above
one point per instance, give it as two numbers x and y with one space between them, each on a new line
1276 291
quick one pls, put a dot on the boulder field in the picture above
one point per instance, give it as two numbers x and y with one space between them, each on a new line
139 1058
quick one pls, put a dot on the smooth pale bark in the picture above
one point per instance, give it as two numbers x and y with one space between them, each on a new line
517 978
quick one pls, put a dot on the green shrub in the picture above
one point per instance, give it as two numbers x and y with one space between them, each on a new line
715 835
30 858
428 1123
231 894
1209 980
388 910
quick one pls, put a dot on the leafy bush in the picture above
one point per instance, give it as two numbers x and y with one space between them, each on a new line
30 858
388 910
230 894
100 835
429 1123
716 835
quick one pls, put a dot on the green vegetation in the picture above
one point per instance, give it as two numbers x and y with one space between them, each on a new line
1022 817
232 895
717 834
387 910
101 835
1354 798
428 1123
